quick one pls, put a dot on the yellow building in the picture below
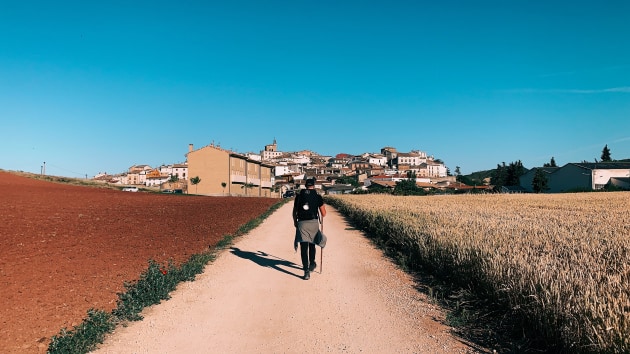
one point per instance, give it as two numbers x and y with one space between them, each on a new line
223 172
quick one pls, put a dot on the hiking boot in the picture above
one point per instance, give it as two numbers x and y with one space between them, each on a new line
313 266
307 275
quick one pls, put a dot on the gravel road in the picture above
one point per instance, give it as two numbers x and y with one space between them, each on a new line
252 299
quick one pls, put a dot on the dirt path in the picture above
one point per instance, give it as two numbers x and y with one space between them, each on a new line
252 299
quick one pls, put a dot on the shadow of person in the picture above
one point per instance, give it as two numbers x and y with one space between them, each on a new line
267 260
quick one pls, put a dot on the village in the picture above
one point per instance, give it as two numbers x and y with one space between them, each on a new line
212 170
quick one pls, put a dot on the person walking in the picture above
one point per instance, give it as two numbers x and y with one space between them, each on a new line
308 208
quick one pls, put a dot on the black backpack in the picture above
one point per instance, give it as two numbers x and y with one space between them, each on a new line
308 204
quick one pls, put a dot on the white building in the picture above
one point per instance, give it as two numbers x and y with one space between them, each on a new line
436 170
377 159
179 170
281 170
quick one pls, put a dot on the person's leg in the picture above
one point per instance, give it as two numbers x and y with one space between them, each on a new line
311 256
304 252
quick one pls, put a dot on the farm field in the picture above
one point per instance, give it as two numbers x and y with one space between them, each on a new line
65 249
562 262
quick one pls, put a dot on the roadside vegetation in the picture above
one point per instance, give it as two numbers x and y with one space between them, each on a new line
551 270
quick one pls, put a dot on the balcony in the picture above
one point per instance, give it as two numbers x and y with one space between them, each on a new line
238 179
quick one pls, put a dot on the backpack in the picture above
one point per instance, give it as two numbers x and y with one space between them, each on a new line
308 204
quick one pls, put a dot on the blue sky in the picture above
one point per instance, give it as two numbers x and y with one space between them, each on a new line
94 87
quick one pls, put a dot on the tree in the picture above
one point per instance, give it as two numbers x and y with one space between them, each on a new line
551 163
172 180
195 181
408 186
514 172
351 180
498 176
467 180
247 186
507 175
223 184
276 188
540 182
606 154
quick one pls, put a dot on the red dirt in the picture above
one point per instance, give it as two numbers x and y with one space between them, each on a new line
65 249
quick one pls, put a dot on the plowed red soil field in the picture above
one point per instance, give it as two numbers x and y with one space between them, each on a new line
65 249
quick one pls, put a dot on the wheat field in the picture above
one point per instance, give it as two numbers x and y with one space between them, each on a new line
563 260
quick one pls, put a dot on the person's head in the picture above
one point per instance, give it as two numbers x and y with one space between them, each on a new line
310 183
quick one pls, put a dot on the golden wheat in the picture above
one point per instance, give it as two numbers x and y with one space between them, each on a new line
563 260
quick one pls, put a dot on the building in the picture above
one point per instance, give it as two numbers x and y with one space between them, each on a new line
271 151
410 158
156 178
179 170
390 153
223 172
436 169
585 176
377 159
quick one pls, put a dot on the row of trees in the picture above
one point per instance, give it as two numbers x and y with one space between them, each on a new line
507 175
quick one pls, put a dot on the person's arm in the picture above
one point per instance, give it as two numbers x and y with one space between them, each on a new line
322 210
295 212
322 207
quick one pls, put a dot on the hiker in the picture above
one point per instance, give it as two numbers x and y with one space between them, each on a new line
308 208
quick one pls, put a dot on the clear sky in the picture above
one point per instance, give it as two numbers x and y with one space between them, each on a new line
99 86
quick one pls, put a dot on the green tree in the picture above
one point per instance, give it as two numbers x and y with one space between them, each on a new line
247 186
515 171
172 180
551 163
223 184
467 180
408 186
195 181
498 176
276 189
351 180
376 189
540 183
606 154
507 175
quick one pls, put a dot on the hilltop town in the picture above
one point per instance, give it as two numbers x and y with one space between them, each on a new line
212 170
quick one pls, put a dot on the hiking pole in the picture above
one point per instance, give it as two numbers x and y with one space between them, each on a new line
321 255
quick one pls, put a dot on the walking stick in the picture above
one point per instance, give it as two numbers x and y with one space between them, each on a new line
321 255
